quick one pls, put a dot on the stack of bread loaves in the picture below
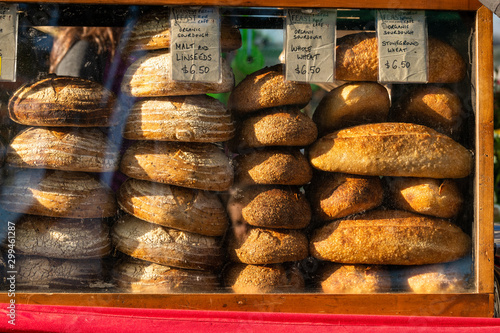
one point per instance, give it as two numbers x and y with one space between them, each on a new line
267 209
54 189
386 192
170 236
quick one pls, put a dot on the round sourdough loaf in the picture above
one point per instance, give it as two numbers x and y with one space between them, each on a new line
62 238
357 59
354 279
277 127
166 246
390 237
352 104
54 193
336 195
171 206
198 118
428 196
261 246
263 279
270 207
391 149
273 166
267 88
195 165
139 276
63 101
70 149
151 76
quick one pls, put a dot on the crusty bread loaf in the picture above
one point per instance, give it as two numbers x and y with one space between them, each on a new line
267 88
63 148
352 104
166 246
354 279
336 195
391 149
198 118
260 279
436 107
273 166
195 165
63 101
68 194
390 237
452 277
435 197
139 276
270 207
151 76
261 246
152 32
277 127
357 59
62 238
175 207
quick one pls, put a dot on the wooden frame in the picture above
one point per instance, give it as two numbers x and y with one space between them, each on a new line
475 304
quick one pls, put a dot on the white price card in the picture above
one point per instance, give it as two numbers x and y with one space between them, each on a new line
402 46
195 44
8 41
310 45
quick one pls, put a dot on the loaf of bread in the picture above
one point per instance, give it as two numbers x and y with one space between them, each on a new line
352 104
175 207
261 246
263 279
335 195
63 101
267 88
270 207
198 118
354 279
151 76
166 246
62 238
195 165
428 196
357 59
273 166
63 148
391 149
56 193
436 107
277 127
139 276
390 237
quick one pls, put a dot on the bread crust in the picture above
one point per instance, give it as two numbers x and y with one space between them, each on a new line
354 279
453 277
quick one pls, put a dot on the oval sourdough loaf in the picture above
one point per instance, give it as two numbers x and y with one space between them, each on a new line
354 279
63 101
390 237
391 149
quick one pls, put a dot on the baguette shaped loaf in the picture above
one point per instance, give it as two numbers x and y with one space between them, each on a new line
357 59
85 149
198 118
195 165
67 194
392 237
166 246
63 101
62 238
151 76
172 206
391 149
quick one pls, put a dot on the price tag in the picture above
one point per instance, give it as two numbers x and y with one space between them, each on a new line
8 41
195 44
402 46
310 45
